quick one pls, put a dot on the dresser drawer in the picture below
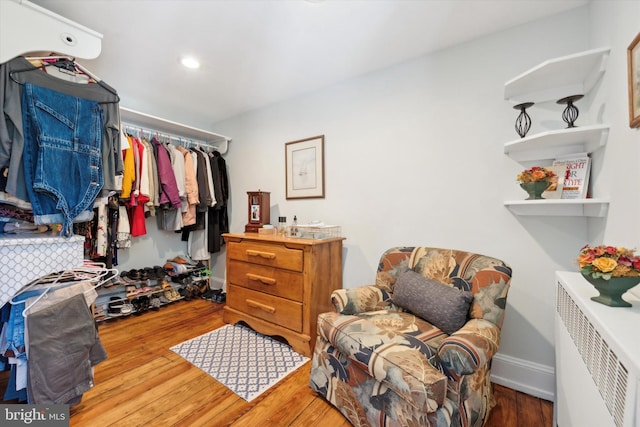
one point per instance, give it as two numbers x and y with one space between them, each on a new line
283 283
273 309
274 255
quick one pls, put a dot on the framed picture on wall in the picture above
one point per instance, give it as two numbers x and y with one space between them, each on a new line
633 60
304 160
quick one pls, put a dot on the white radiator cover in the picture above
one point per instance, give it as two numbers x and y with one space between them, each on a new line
597 357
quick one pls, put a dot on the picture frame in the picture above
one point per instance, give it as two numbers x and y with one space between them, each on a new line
633 61
304 163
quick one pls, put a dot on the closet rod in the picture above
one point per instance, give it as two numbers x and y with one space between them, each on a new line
181 140
179 130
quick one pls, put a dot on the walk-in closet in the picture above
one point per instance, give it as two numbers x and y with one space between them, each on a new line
106 213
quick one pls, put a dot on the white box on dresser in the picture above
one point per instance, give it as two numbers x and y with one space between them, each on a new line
27 257
597 357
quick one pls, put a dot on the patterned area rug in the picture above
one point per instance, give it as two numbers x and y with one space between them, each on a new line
245 361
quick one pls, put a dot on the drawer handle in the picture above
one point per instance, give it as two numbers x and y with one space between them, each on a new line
265 280
255 304
267 255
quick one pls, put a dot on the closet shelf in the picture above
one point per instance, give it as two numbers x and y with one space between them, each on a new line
558 77
559 207
551 144
45 32
173 129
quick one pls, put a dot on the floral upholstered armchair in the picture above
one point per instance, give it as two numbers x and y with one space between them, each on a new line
414 349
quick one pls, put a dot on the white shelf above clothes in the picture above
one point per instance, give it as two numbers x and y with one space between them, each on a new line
173 130
26 27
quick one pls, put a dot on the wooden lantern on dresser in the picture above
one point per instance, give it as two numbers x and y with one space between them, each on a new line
278 285
259 210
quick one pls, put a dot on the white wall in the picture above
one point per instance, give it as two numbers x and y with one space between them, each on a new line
619 172
414 156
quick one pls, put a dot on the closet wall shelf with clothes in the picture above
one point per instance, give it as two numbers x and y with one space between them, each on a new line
175 131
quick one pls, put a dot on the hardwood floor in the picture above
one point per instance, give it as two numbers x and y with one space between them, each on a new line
143 383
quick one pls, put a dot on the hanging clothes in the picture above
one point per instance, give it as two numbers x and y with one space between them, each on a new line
139 195
191 188
129 171
72 348
205 186
123 239
14 75
170 197
54 365
196 234
178 166
61 130
152 167
218 220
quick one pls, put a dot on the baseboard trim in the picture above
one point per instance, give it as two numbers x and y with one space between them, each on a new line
525 376
522 375
216 282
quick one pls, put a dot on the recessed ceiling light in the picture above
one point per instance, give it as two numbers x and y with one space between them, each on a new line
190 62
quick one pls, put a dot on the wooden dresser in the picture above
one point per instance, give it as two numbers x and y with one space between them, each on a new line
279 285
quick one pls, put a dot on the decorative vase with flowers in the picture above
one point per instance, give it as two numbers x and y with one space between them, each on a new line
535 181
611 270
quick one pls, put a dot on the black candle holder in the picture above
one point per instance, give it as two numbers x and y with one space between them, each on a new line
570 114
523 122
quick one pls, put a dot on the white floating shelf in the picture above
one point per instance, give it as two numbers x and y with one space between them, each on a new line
148 121
26 27
551 144
557 78
559 207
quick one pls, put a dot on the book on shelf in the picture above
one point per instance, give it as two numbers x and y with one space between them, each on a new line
557 183
576 178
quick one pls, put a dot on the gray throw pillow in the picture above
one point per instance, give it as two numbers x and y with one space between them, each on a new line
445 307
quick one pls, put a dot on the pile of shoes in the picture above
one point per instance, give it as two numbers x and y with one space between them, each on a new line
115 280
155 301
143 274
209 294
119 307
155 273
99 313
179 265
140 304
189 291
134 276
151 287
215 295
169 292
221 298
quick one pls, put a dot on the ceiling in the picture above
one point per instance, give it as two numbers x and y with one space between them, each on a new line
257 52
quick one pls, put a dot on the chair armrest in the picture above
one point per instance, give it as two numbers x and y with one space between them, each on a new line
360 300
470 347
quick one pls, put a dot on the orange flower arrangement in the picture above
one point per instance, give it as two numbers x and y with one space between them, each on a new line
536 174
608 261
